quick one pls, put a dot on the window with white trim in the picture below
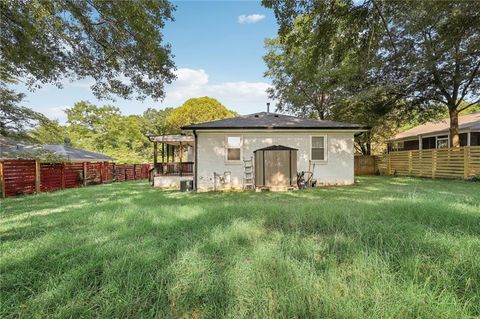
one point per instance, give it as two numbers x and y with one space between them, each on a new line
318 151
442 141
233 145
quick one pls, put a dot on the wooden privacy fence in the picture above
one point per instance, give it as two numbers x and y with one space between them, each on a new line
30 176
365 165
460 162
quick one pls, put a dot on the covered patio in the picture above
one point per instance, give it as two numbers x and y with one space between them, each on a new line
172 159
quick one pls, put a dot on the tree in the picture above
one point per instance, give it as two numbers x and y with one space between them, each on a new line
117 43
104 129
422 52
435 48
197 110
308 68
15 120
322 73
91 126
49 132
154 121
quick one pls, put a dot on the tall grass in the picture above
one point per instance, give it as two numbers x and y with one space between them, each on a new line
384 248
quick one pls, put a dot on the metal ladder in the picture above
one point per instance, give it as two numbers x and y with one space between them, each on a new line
248 174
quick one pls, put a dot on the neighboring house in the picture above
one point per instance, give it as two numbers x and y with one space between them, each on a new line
279 145
436 134
11 149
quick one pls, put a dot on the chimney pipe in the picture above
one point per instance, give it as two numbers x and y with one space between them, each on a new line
268 107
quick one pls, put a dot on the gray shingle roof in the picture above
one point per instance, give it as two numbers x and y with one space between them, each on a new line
10 148
276 148
264 120
76 154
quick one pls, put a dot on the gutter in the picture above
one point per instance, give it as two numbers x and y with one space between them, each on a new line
195 177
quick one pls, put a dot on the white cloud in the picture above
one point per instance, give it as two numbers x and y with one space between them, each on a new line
242 96
56 113
251 18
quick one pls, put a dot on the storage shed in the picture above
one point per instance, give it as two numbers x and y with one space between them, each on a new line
275 166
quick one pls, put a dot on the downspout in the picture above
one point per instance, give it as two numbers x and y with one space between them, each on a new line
195 177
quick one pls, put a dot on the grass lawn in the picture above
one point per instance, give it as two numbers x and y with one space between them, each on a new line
384 248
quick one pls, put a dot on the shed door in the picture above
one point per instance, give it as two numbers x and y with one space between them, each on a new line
277 168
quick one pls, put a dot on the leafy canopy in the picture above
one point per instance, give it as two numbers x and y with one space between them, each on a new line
117 43
15 120
197 110
417 54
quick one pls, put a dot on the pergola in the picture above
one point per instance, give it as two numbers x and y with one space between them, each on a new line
170 144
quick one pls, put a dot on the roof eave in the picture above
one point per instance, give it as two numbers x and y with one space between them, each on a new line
356 128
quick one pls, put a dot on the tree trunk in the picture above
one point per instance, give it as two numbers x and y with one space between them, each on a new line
369 143
454 138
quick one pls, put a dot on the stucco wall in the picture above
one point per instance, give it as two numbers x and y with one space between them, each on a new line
337 169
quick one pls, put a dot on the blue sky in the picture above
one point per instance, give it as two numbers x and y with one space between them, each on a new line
218 48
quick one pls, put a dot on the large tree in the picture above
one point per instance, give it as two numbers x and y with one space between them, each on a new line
197 110
313 58
421 52
433 53
117 43
105 129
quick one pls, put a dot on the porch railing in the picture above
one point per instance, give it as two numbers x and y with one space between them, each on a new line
174 169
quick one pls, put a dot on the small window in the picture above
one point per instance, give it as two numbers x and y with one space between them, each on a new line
474 138
318 148
442 141
233 148
398 146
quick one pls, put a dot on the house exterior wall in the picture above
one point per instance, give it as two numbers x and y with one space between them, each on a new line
337 169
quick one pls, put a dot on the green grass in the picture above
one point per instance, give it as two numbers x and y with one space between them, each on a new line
384 248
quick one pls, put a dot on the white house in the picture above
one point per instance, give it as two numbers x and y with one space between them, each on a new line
221 147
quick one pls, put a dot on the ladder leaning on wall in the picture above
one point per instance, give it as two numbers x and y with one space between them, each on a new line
248 174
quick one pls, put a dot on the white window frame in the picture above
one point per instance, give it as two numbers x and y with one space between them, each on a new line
325 149
443 138
239 161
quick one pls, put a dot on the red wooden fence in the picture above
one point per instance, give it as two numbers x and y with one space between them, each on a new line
19 177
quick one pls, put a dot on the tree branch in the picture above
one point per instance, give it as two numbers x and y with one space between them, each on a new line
466 107
428 40
472 77
385 26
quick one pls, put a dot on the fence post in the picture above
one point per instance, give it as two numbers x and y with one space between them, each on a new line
37 176
389 164
2 181
466 168
434 162
410 163
101 172
63 175
84 173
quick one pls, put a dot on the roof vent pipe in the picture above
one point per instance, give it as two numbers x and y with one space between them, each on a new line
268 107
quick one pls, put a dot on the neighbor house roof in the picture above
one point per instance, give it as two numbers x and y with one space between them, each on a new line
266 120
465 122
10 148
76 154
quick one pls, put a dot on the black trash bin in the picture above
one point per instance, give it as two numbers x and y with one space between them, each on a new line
186 186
